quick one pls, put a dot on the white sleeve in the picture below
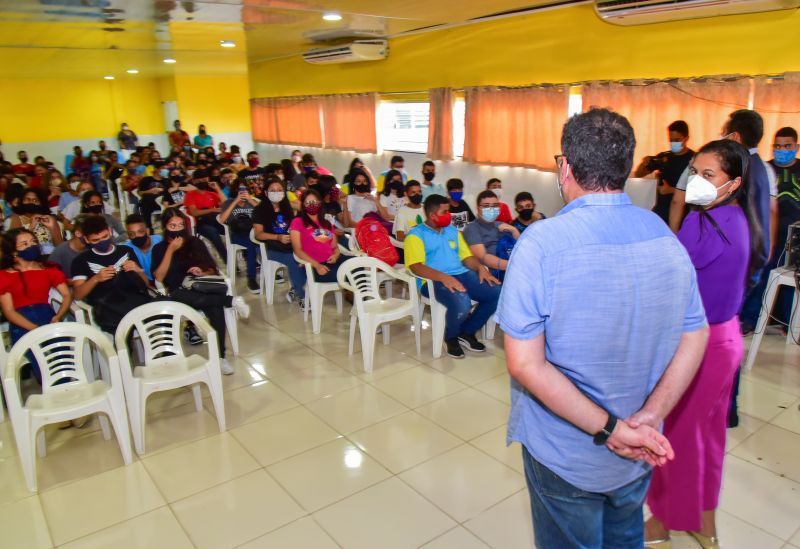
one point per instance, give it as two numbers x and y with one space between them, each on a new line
772 178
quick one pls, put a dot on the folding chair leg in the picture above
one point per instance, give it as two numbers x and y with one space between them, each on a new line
353 322
104 426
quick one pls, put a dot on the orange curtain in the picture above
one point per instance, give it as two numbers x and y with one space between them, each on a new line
299 120
349 122
651 108
265 126
515 127
778 102
440 124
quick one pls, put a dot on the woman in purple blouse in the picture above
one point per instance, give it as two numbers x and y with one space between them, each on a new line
723 238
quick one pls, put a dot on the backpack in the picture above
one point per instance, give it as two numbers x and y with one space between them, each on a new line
374 240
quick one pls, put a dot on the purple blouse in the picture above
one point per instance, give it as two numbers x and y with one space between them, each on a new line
721 266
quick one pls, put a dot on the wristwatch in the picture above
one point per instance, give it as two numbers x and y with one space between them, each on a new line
602 437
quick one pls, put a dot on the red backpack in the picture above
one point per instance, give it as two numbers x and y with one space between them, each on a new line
373 239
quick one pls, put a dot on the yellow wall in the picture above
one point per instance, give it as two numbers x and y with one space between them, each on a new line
219 102
565 45
50 110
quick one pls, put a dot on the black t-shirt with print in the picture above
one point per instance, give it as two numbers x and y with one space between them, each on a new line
88 263
274 223
241 218
788 180
461 215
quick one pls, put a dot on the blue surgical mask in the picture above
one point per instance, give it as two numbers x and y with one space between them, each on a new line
676 146
490 214
31 253
456 195
784 158
164 172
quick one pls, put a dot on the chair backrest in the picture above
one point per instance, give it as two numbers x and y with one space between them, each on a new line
59 350
227 232
189 219
360 276
159 327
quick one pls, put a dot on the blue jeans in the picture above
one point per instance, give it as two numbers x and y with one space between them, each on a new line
459 304
297 274
251 252
566 517
209 228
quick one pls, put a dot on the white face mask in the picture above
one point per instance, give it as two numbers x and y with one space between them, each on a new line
275 196
498 193
701 191
74 185
296 158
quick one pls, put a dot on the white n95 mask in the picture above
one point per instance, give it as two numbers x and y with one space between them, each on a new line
701 191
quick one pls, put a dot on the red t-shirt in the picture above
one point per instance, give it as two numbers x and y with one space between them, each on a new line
505 214
25 169
202 200
36 290
180 138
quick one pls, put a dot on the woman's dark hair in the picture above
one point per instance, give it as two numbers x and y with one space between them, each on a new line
598 145
326 184
288 169
387 190
734 160
193 252
353 165
15 191
8 247
307 221
264 211
86 197
41 194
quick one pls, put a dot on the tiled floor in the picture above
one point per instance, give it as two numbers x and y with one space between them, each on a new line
319 454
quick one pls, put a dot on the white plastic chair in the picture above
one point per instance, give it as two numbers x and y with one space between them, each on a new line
362 276
233 252
165 365
315 295
67 392
3 362
269 270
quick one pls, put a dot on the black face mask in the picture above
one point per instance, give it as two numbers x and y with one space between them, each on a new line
428 176
96 209
171 235
176 178
415 199
526 214
139 241
361 188
26 209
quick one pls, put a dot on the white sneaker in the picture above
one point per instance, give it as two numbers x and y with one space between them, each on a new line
225 367
242 309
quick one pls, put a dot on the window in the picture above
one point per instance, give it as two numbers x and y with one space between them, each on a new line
459 128
575 101
403 127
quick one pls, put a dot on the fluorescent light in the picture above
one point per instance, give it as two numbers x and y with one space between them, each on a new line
332 16
133 71
108 77
169 60
227 43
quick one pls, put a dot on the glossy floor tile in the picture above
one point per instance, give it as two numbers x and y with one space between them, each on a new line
321 455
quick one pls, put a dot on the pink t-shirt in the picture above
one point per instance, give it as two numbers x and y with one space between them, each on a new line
318 243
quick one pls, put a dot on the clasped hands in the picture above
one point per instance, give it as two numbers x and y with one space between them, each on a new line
639 439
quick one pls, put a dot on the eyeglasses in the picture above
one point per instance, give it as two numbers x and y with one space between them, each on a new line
558 158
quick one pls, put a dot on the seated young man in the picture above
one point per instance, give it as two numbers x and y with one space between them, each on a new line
410 215
108 276
436 250
496 186
67 251
526 211
141 242
484 233
460 211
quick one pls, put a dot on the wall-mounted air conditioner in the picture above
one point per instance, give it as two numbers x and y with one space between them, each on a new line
356 28
360 50
640 12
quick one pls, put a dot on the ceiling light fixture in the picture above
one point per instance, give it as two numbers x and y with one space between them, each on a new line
227 43
332 16
169 60
108 77
133 71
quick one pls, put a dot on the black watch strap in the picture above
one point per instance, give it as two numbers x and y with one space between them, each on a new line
602 437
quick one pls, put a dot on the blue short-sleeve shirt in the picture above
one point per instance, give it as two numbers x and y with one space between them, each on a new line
612 290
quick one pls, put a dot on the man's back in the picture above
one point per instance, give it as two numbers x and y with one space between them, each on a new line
613 290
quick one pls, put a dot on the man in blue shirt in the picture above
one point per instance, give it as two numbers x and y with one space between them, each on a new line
141 242
605 329
436 250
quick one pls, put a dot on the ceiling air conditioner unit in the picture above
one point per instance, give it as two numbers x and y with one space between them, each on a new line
640 12
360 50
357 28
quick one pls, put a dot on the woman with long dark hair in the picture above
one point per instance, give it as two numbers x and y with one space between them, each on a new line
25 283
393 195
314 240
723 237
271 220
32 213
181 255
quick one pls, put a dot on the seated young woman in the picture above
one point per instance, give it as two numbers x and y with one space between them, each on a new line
314 240
181 255
32 213
25 283
271 221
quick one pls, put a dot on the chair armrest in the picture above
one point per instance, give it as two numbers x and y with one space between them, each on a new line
397 243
